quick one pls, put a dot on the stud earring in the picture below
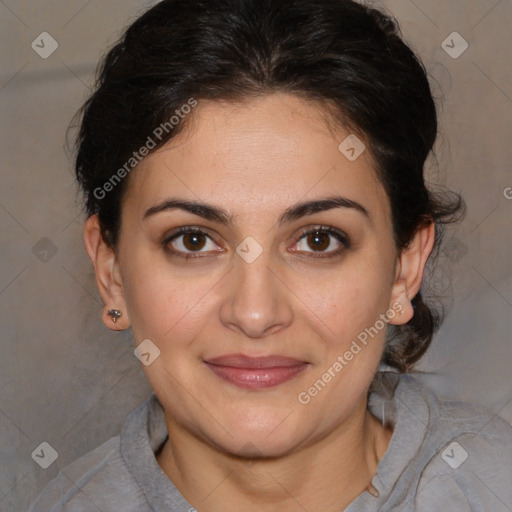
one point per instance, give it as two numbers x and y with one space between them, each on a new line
115 314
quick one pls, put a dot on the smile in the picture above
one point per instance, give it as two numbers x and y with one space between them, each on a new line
256 373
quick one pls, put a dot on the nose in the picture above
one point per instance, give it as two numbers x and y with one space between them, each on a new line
257 302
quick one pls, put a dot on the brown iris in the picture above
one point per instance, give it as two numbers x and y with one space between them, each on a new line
315 240
194 241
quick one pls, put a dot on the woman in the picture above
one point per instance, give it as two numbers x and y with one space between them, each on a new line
258 216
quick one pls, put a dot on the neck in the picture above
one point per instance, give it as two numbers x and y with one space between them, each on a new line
325 475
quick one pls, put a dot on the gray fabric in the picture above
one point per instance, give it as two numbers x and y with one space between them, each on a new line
123 474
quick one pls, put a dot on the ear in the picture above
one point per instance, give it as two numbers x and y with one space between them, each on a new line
108 277
409 273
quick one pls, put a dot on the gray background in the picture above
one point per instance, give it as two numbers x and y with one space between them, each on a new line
67 380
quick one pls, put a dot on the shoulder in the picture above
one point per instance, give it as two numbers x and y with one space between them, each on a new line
444 455
469 461
97 480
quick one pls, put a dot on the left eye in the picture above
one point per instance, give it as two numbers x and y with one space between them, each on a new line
322 240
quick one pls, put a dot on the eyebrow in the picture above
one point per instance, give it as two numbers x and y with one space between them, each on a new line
217 214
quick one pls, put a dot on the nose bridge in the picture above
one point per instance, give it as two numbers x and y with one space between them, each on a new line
256 301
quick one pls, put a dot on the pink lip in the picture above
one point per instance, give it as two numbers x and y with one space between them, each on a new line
255 372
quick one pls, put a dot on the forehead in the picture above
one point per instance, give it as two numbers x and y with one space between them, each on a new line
265 152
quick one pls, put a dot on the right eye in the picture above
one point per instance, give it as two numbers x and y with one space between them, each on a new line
186 241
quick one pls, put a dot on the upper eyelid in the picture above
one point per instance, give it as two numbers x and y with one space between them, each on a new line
327 229
185 231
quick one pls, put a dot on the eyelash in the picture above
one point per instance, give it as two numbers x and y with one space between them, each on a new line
339 235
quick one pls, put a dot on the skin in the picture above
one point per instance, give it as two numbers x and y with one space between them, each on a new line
256 159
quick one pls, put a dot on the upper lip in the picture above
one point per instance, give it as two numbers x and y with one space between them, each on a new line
242 361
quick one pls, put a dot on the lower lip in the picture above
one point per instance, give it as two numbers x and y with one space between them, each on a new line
257 378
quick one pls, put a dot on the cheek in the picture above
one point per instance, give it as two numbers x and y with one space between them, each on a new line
165 306
346 299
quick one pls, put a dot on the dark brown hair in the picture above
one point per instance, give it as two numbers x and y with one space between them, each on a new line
349 56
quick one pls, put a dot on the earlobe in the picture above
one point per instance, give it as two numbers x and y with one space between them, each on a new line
108 279
409 271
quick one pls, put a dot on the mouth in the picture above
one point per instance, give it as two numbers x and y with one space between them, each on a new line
256 372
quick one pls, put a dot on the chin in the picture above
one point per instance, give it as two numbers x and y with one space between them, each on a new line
248 447
270 436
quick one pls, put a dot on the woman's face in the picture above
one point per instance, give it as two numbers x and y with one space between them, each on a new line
256 285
